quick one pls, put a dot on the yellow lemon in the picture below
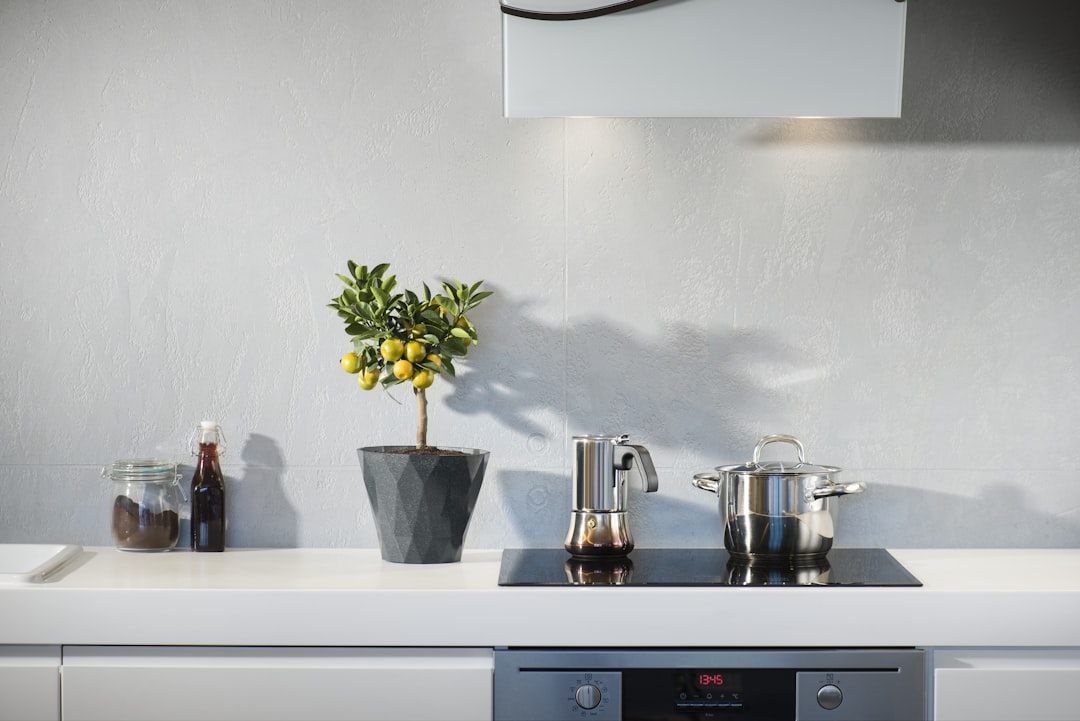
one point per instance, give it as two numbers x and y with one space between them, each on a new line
423 379
403 370
350 362
415 351
432 358
392 349
368 379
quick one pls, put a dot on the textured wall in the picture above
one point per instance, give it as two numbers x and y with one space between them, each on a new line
180 180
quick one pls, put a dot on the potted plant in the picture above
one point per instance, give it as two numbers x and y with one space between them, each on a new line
422 495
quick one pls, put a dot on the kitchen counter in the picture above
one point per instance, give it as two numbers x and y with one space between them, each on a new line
350 597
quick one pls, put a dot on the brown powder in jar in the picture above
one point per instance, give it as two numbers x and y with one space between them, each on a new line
140 529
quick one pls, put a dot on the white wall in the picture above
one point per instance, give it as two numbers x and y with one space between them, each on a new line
179 181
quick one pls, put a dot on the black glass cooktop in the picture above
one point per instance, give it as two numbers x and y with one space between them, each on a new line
698 567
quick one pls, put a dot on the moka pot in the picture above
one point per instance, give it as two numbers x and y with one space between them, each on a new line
598 524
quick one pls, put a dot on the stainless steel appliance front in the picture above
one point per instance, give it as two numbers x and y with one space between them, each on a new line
712 685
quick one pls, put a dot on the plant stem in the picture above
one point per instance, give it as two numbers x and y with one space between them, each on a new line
421 417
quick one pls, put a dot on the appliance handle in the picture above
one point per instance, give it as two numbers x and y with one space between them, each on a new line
649 481
584 14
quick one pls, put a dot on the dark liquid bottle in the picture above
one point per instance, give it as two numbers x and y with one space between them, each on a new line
208 493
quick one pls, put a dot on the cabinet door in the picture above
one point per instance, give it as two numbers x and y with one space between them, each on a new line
29 683
1006 685
275 684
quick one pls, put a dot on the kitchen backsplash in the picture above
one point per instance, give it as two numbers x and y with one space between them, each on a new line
180 181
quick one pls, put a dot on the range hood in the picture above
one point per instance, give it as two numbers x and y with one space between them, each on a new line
703 58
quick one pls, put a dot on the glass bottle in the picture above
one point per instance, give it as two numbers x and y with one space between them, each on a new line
208 489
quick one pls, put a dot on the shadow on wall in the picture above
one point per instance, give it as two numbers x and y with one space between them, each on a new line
886 516
260 492
716 388
536 506
975 71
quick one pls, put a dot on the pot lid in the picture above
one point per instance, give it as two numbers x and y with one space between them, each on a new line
799 467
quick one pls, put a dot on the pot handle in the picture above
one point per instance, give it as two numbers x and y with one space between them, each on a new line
835 489
779 439
707 482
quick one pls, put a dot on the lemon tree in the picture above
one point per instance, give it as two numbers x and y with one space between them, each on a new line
403 336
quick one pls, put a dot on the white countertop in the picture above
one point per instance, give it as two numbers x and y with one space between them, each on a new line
350 597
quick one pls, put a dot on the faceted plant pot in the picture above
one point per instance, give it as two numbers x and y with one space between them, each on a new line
422 502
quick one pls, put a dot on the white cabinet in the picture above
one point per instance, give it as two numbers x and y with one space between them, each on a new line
116 683
1006 685
29 683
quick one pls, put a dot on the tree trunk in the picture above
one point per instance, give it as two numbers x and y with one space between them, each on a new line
421 417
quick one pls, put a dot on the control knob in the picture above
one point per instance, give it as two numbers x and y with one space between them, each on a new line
829 696
587 696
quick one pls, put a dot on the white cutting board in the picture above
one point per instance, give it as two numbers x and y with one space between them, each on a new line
30 562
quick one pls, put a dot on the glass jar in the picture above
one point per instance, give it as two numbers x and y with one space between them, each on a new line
145 506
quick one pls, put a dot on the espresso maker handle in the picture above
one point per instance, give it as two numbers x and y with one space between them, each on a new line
649 481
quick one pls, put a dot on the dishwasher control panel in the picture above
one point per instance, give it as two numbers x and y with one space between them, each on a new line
709 685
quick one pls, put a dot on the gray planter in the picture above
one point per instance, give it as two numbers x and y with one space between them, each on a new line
422 502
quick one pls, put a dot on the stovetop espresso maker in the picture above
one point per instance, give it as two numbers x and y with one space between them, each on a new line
598 525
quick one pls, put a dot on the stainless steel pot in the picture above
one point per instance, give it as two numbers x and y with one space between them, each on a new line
777 511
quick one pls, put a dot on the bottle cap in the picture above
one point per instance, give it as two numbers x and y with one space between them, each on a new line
207 432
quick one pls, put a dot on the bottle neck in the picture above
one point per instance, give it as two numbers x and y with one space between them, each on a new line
207 435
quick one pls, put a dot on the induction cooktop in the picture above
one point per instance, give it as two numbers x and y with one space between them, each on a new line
857 567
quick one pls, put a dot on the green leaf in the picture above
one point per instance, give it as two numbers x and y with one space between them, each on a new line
480 296
448 367
455 347
365 310
432 317
365 335
460 333
430 339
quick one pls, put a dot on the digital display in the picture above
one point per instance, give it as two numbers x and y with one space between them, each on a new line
696 682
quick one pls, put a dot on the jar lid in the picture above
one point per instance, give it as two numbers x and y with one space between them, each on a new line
141 469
